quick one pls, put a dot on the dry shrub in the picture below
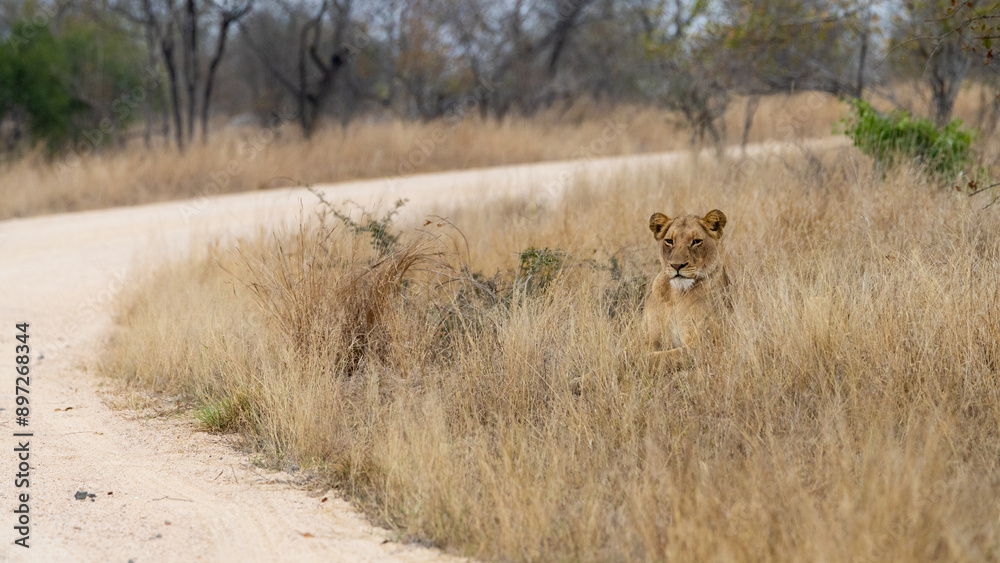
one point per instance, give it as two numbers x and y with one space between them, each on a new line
849 412
331 302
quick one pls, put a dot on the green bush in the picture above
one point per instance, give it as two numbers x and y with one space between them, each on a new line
223 415
537 267
79 82
383 239
897 137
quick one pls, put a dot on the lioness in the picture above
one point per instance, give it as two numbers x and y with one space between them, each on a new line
685 294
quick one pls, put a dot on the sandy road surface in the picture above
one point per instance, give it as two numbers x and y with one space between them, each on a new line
166 492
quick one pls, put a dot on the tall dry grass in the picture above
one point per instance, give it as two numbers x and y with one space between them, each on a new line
251 159
851 410
242 159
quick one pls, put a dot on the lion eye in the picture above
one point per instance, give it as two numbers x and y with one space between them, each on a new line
696 242
669 241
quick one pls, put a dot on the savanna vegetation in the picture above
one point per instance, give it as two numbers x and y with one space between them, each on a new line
242 159
112 102
481 382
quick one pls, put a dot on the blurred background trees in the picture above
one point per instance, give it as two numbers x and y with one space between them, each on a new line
94 74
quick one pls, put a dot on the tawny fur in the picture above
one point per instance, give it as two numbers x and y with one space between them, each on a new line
686 293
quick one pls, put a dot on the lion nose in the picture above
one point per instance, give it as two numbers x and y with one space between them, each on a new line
679 267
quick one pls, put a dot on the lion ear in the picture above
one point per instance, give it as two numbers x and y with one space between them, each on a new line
659 223
714 221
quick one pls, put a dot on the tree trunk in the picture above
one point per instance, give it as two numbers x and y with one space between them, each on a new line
752 103
167 46
310 100
948 66
990 110
560 33
859 81
227 19
191 78
165 123
301 91
147 103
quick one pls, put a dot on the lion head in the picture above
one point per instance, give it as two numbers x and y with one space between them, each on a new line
689 246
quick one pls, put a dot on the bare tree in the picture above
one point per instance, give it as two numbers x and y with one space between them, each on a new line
189 55
161 21
925 45
316 71
686 75
795 45
947 65
162 25
865 18
229 13
526 45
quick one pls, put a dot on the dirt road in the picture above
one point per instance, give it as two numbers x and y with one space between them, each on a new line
164 491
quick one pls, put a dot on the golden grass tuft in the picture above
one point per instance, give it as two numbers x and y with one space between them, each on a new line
851 410
330 306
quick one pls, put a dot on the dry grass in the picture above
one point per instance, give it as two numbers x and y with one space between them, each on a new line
250 159
850 412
